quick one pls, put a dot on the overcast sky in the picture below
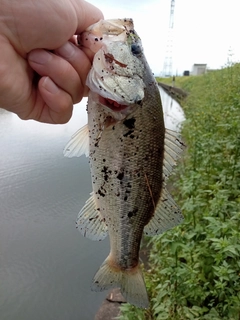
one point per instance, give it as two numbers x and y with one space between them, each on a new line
204 30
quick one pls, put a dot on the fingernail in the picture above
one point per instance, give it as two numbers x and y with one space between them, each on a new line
39 56
50 86
67 50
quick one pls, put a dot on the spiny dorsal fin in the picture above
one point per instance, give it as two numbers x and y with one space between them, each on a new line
79 144
173 147
90 222
166 216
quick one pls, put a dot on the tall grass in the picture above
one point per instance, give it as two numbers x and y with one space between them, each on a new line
195 268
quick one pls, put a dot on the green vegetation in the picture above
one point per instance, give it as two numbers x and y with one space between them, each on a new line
195 268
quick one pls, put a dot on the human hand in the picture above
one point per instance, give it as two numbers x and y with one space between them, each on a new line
36 83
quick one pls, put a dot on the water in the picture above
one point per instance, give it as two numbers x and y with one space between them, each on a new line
46 265
173 112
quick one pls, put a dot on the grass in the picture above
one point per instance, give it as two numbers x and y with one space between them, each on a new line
195 267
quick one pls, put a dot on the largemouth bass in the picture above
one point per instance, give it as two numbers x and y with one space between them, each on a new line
130 155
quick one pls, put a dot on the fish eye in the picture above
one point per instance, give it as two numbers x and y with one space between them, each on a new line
136 49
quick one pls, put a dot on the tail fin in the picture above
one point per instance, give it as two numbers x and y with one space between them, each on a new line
131 282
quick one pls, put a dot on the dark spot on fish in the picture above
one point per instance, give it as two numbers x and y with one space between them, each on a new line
128 133
105 169
125 198
101 193
129 123
113 128
120 175
90 219
132 213
104 160
132 136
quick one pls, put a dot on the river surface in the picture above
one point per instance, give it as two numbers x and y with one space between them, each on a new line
46 265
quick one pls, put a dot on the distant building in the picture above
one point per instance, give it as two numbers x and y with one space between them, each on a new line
186 73
199 68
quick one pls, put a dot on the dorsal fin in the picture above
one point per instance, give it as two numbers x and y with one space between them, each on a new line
79 144
90 222
173 147
167 214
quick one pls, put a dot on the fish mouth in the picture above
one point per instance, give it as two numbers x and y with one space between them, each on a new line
112 104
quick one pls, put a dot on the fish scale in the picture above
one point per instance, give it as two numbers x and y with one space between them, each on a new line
131 155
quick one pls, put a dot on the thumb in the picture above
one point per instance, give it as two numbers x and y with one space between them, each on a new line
87 14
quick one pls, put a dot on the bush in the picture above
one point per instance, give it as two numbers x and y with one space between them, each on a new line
195 268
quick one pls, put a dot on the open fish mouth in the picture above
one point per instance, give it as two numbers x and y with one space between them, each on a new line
114 105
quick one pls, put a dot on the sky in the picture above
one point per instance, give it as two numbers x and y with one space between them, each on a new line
205 31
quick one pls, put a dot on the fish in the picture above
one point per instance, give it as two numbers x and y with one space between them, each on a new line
131 156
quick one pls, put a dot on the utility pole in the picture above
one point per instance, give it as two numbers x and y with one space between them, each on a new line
167 67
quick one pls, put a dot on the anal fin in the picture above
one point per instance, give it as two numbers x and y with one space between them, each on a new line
90 222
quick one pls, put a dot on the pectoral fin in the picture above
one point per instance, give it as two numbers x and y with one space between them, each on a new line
79 144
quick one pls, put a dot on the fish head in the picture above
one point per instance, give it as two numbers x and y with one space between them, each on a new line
117 72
